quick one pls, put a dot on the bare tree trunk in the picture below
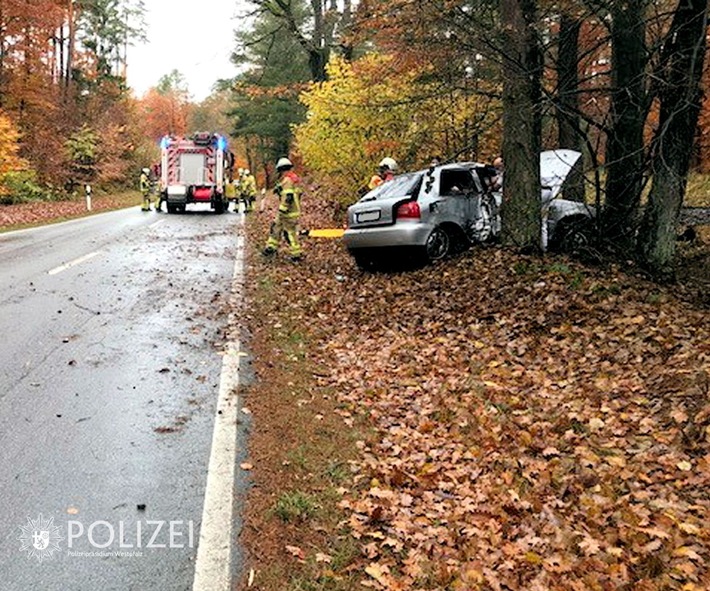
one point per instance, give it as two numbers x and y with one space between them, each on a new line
71 16
624 150
60 42
680 97
345 24
568 120
521 125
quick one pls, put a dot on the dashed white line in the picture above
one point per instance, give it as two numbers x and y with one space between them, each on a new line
73 263
154 224
213 564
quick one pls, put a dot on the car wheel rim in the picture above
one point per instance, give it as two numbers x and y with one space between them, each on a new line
437 245
576 241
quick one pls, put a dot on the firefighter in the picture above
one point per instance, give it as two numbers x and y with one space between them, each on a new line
249 190
385 172
238 189
145 189
154 177
230 192
288 190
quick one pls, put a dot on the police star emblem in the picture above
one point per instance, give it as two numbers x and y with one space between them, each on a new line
40 538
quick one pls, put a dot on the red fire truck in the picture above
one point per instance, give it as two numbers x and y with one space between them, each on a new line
194 169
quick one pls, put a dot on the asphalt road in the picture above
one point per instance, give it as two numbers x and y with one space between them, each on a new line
113 328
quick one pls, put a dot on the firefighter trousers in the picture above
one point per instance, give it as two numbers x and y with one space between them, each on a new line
286 227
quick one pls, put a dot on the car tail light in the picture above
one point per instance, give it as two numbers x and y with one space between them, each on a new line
409 210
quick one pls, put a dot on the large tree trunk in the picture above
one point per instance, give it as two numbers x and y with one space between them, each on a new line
568 120
521 125
680 97
624 150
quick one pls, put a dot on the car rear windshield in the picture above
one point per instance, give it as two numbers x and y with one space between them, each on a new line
403 185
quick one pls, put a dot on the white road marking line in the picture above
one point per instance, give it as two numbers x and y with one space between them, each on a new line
154 224
213 564
73 263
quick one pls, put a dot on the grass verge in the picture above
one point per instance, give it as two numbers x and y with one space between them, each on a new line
295 537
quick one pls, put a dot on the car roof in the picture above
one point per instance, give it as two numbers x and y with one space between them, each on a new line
452 166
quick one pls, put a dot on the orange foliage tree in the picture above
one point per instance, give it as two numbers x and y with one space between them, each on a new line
50 87
9 147
166 108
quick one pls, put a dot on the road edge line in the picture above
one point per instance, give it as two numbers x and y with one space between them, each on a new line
214 551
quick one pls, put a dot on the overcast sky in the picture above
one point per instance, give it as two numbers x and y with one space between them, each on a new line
195 38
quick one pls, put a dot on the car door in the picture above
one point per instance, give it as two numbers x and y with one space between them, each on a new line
459 200
454 197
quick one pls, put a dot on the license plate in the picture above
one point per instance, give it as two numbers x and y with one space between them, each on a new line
368 216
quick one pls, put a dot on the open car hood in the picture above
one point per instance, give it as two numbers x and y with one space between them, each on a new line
555 165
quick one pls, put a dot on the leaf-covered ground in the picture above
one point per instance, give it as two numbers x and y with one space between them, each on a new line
506 423
41 212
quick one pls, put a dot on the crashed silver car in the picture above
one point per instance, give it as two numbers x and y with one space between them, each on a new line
429 214
566 225
423 215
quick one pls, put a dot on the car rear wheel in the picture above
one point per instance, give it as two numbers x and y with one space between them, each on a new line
437 245
572 236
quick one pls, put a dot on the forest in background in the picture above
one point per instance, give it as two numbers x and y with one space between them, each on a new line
340 85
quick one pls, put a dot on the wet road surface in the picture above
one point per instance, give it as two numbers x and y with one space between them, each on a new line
113 328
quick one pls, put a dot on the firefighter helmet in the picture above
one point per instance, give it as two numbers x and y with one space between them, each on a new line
284 164
247 171
389 163
145 170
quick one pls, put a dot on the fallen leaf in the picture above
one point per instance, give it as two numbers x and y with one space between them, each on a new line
589 546
296 552
549 452
596 424
377 572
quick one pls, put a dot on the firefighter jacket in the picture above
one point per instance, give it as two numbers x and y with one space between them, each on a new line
145 183
230 190
375 181
289 192
249 185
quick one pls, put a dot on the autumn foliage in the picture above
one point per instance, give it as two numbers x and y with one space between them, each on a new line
9 160
52 88
377 107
